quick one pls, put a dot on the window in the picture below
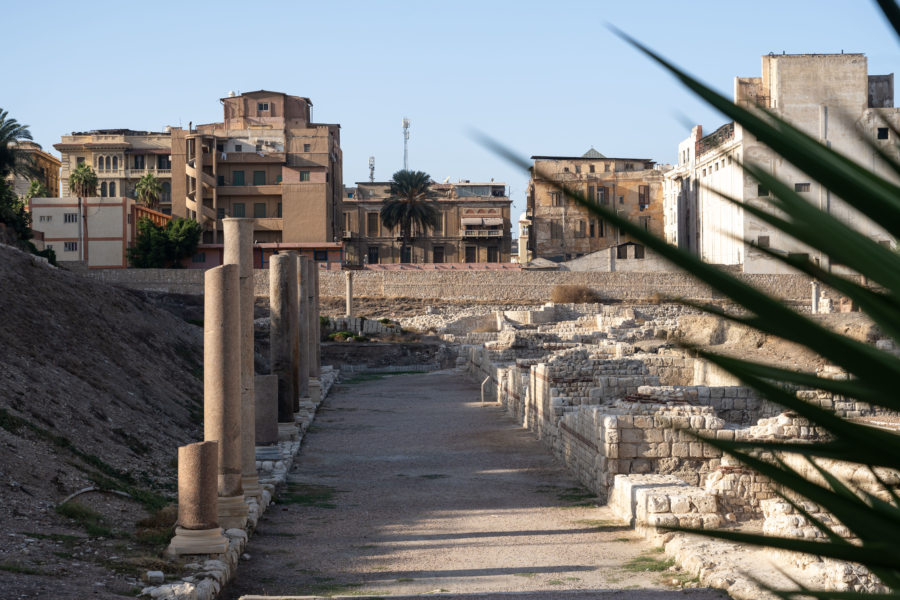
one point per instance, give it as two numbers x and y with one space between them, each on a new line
70 246
601 228
237 210
762 190
591 193
279 210
372 224
115 163
45 218
108 163
237 178
199 257
565 169
79 160
580 230
606 167
220 147
629 166
603 195
762 241
304 175
555 199
220 180
882 133
801 187
437 254
406 255
259 210
320 255
578 168
103 190
259 178
262 107
307 147
556 232
644 222
112 188
717 165
372 255
259 147
638 251
162 162
621 199
622 251
591 168
70 218
703 173
439 226
238 148
139 162
493 254
471 254
166 195
644 197
592 228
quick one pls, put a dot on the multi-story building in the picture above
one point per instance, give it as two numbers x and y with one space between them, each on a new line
830 97
119 157
474 226
46 169
561 229
268 161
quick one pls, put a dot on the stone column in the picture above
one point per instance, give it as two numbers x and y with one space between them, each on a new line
222 387
294 327
814 306
315 386
348 276
239 251
198 531
317 359
303 319
280 350
266 393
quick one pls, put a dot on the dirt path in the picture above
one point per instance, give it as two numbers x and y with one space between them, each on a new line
406 485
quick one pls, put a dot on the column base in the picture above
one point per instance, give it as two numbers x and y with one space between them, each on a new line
315 390
287 432
232 512
197 541
250 483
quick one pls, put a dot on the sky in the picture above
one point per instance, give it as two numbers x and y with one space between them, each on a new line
542 78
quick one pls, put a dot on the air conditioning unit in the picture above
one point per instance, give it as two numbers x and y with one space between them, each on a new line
348 235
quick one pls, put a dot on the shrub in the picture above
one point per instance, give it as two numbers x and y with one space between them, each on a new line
573 294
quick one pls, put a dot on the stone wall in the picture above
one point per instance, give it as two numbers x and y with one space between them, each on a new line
498 286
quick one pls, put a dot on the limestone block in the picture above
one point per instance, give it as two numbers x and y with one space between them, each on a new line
680 504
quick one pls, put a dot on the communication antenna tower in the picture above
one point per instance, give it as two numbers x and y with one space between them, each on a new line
405 144
372 169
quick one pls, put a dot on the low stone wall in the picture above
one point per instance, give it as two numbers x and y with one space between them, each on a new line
499 286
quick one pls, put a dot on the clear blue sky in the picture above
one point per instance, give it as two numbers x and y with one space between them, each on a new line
542 77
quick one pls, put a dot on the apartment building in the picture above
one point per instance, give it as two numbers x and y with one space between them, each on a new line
266 160
46 169
474 226
557 228
830 97
119 157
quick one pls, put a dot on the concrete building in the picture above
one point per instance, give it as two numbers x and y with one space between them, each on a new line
46 168
560 229
474 225
119 157
94 231
267 160
829 96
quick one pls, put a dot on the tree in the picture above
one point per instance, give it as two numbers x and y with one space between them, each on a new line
13 214
13 160
83 181
408 205
158 247
148 191
36 190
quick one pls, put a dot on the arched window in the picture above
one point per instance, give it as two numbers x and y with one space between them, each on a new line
115 163
103 189
107 163
166 195
112 188
99 163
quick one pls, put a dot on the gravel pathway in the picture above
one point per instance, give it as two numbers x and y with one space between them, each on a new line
406 485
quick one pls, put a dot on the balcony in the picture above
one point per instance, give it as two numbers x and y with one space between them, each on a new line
249 190
259 224
138 173
251 157
482 233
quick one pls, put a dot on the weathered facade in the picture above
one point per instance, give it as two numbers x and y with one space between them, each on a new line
268 161
119 157
829 96
45 165
474 226
561 229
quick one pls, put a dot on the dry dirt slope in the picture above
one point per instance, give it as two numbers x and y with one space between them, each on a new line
97 387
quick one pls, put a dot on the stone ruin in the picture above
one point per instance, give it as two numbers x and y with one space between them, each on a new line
601 388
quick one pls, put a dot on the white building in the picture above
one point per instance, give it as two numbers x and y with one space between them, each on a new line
830 97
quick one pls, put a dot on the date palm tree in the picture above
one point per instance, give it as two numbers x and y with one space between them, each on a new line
83 181
409 204
13 160
148 191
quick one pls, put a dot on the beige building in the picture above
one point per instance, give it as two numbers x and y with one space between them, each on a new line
46 167
119 157
474 226
829 96
268 161
557 228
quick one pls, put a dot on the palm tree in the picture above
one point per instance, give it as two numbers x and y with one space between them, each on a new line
36 190
148 191
83 181
13 160
408 205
